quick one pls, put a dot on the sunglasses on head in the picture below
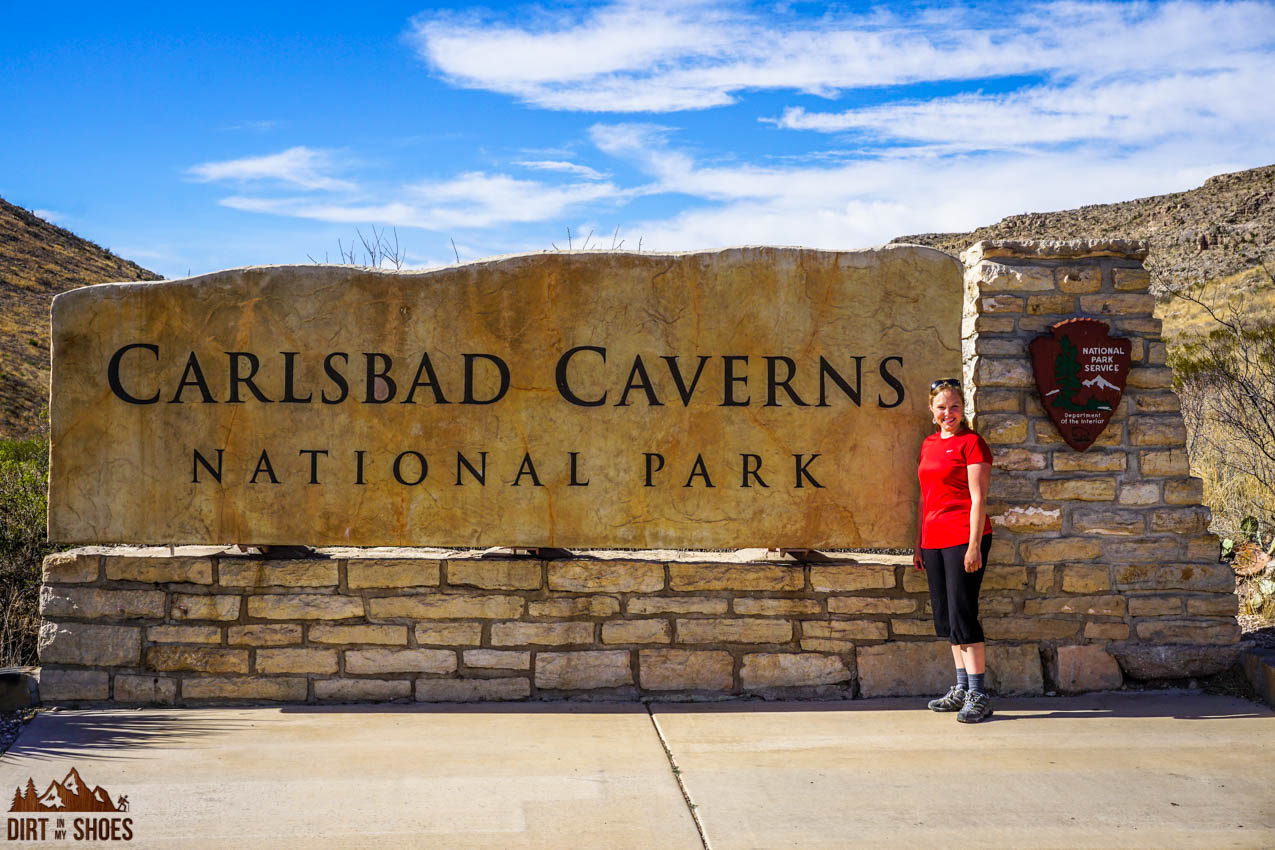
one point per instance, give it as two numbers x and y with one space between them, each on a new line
945 382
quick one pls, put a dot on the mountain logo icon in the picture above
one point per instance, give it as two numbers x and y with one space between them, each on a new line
72 794
1100 382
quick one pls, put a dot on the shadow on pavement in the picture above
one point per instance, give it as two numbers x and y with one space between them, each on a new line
111 734
1178 705
125 733
1173 704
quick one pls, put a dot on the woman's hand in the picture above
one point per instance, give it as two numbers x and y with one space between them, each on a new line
980 478
916 559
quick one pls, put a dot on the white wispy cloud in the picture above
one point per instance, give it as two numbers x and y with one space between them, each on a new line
478 200
299 166
563 166
51 216
546 58
261 126
165 255
1106 101
868 200
1114 112
654 56
471 200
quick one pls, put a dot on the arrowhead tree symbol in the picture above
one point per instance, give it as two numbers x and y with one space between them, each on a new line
1066 373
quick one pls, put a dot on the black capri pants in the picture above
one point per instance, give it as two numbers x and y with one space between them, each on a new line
954 592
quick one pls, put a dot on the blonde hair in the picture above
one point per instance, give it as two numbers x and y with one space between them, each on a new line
954 388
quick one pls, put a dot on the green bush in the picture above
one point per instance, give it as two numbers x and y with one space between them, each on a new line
24 476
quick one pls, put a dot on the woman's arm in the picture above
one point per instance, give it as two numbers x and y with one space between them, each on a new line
920 518
980 478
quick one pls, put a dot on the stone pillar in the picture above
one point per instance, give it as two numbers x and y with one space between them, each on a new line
1116 543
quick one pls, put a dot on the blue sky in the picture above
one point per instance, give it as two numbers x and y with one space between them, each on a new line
192 137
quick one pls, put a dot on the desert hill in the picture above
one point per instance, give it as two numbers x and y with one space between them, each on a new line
37 261
1218 231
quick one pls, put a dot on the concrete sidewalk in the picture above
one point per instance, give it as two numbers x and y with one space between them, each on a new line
1106 770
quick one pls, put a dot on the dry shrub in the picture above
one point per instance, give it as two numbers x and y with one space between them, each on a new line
1225 377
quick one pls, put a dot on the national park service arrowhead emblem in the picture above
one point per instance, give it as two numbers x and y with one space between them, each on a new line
1080 372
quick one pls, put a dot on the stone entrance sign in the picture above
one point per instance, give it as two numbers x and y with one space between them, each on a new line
1102 570
750 397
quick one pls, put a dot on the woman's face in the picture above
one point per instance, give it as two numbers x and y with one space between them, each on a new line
948 407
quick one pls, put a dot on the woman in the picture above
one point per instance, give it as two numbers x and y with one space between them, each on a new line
953 539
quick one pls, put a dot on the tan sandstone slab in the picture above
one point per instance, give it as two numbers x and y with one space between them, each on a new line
1098 771
895 669
370 776
327 405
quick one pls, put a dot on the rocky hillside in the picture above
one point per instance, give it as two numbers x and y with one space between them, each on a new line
1220 230
37 261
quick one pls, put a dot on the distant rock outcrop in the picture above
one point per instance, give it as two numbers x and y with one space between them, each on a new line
1222 228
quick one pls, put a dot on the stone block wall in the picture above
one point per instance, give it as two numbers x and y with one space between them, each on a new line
144 626
1102 568
1113 540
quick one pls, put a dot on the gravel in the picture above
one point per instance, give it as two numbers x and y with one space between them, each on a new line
1260 630
11 723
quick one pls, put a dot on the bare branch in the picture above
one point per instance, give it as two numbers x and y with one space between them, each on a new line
1226 382
398 257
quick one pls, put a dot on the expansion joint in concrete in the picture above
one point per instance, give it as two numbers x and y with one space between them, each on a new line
677 775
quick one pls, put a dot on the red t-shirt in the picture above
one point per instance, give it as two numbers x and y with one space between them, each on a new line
945 488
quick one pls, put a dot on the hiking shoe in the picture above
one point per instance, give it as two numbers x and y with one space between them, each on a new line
977 708
953 700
